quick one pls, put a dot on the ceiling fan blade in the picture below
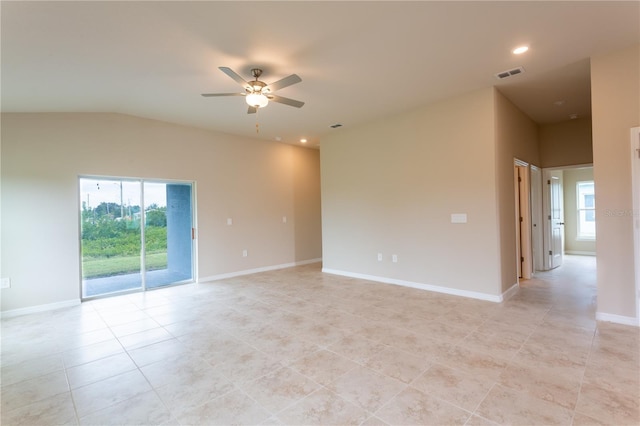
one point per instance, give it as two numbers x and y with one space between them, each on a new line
234 75
208 95
285 82
286 101
252 110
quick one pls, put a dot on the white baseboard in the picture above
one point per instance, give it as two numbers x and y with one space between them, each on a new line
428 287
580 253
618 319
511 291
257 270
40 308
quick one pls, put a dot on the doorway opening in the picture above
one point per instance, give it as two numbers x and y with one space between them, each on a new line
136 234
568 214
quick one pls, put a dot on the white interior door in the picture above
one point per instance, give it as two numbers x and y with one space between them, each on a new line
536 218
555 218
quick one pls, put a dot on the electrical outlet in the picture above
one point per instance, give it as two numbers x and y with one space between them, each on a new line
379 257
5 283
245 253
229 221
284 219
394 258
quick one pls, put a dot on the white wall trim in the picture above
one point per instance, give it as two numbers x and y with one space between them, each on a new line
257 270
40 308
580 253
511 291
618 319
428 287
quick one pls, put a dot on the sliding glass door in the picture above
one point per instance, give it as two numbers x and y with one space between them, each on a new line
136 235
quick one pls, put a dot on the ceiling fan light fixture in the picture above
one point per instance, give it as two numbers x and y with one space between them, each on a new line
257 100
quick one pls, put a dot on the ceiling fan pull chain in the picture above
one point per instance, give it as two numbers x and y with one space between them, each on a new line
257 124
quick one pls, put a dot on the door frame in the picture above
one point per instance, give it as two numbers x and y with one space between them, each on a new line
546 208
537 235
524 252
194 233
635 189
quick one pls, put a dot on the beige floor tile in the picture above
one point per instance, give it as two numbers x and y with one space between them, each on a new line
134 327
479 421
322 335
366 388
27 392
71 341
92 352
175 370
357 348
323 407
144 338
143 409
609 407
279 389
57 409
232 408
542 383
30 369
374 421
541 343
461 389
398 364
497 345
105 393
611 377
323 366
287 348
187 392
412 407
507 406
559 362
580 419
101 369
474 362
165 350
249 366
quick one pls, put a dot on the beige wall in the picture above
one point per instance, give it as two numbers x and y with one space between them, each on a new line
615 94
571 242
566 143
391 186
516 137
253 182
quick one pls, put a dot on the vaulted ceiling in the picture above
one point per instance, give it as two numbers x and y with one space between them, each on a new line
358 61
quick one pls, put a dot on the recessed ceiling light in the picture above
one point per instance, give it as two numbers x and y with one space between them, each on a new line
520 50
559 103
303 140
278 138
573 116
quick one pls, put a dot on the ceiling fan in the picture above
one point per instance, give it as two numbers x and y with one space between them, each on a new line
258 93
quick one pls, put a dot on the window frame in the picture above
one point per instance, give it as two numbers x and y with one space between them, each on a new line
580 235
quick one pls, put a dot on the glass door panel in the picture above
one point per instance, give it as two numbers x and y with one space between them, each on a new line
168 233
110 236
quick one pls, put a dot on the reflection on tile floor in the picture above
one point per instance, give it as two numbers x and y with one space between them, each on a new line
296 346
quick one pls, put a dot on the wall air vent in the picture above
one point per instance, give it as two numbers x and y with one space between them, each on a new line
504 74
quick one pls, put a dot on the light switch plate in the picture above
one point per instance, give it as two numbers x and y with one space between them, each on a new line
458 218
5 283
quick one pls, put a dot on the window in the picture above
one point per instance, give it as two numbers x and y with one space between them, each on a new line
586 210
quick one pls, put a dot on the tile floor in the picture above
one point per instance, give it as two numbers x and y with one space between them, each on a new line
296 346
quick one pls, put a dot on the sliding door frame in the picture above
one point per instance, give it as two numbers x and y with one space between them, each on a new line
143 271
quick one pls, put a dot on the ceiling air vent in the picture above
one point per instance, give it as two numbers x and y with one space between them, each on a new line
509 73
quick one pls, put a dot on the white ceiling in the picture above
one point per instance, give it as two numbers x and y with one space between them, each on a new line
358 60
